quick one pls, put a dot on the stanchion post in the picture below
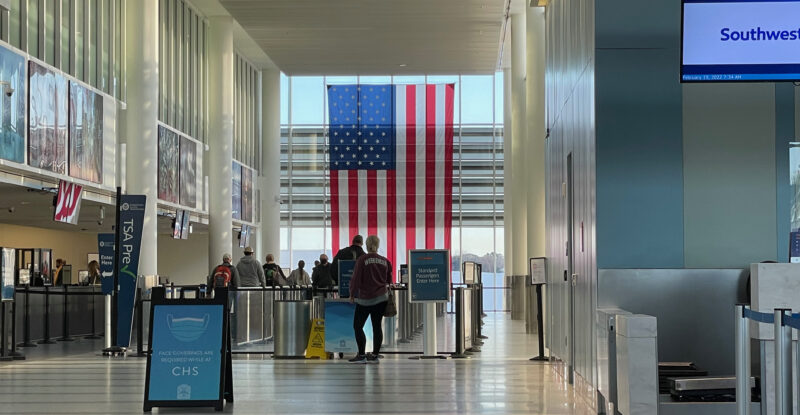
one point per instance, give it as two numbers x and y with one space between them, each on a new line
139 322
461 346
46 339
108 332
26 318
4 357
14 353
65 337
783 363
94 316
742 361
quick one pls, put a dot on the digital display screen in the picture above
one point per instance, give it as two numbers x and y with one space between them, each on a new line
740 40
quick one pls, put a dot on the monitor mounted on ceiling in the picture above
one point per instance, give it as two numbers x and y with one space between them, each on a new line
740 41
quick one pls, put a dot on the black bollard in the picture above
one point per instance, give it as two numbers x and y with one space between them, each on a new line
4 357
46 339
94 334
26 325
14 353
65 337
139 323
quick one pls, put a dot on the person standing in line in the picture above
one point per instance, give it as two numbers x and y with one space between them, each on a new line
273 272
369 290
250 272
223 275
57 272
94 273
299 276
350 253
321 277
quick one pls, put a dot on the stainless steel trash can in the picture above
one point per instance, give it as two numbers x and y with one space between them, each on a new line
292 326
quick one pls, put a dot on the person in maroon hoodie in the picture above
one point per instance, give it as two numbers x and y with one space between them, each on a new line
369 290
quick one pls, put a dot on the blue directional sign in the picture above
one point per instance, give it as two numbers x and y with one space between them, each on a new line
429 275
345 275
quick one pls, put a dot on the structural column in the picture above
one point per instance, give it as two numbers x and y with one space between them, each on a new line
270 179
220 132
141 121
508 178
537 130
519 199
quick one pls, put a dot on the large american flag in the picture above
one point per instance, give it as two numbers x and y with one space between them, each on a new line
391 166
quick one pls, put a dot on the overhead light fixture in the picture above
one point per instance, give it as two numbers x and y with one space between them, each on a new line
403 65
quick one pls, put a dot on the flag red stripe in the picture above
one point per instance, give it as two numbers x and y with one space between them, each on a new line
372 202
430 166
352 204
334 178
411 166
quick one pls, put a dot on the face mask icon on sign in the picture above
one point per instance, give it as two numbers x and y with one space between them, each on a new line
187 329
184 392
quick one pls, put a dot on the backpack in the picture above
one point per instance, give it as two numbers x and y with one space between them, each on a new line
269 275
222 276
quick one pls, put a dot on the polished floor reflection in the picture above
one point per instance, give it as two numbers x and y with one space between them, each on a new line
61 379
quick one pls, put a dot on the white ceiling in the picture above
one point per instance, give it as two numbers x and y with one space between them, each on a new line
371 37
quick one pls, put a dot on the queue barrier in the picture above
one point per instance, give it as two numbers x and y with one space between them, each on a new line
783 321
56 308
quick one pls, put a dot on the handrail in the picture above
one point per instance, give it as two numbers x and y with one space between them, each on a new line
783 322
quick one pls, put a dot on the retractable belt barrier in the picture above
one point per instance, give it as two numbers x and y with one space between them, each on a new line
783 321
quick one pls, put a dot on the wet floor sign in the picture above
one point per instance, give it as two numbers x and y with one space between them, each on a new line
316 340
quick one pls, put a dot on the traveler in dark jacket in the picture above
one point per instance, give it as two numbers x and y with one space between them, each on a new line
321 277
369 290
350 253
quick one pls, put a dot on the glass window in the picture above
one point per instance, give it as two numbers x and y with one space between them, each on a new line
498 98
93 33
409 79
49 32
307 100
13 25
66 6
477 99
307 245
33 27
284 99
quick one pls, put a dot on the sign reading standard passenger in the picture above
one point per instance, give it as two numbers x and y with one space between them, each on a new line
740 40
429 275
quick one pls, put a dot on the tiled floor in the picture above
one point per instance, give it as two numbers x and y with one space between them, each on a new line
500 380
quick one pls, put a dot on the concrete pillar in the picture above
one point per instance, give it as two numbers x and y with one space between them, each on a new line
535 58
220 132
519 199
270 176
508 179
141 121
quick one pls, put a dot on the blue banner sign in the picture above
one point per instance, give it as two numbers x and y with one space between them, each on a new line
339 335
7 274
186 361
131 217
105 250
429 275
345 275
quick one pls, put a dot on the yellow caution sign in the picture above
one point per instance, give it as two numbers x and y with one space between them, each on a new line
316 340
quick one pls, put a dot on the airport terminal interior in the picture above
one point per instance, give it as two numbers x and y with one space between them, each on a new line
407 207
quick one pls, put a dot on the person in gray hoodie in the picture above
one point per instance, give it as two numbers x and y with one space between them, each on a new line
250 272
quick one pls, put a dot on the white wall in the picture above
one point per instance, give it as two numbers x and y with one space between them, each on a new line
71 246
184 262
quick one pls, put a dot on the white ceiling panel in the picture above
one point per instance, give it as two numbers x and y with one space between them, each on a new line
367 37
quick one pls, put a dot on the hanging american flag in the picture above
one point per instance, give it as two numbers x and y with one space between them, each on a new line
391 166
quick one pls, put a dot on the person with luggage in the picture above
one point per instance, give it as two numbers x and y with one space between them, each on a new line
223 275
273 272
369 290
